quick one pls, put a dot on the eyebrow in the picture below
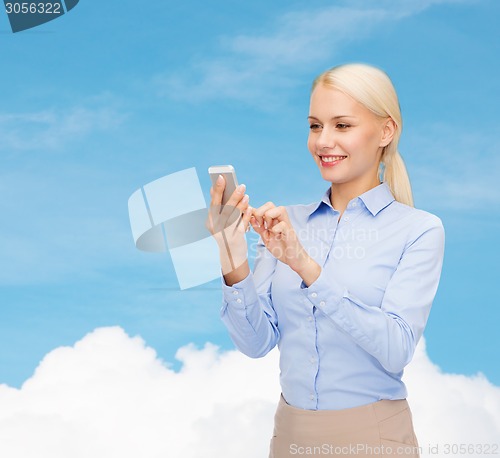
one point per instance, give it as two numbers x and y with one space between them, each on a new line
335 117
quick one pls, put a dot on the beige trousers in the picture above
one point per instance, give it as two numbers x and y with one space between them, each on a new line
380 429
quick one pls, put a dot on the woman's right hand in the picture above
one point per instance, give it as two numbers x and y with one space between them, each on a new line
228 225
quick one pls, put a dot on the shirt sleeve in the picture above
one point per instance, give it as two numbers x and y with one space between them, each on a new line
390 332
247 310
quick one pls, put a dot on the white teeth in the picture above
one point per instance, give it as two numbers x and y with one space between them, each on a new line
331 158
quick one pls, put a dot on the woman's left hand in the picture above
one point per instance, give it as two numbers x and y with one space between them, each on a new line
273 225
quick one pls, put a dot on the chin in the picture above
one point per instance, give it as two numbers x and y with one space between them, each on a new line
333 176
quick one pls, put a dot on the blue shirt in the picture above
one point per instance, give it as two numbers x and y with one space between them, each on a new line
344 340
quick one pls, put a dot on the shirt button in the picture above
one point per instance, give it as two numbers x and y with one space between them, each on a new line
235 292
354 204
238 300
309 318
322 303
346 218
314 294
311 396
312 359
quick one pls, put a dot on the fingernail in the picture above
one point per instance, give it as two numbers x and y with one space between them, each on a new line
245 199
241 188
219 179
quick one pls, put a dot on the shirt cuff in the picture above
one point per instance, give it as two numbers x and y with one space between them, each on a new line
241 293
324 294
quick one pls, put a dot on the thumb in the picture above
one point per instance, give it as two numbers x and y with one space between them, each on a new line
259 229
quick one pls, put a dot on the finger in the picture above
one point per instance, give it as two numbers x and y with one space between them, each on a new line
242 208
246 219
246 210
236 196
233 215
217 191
260 230
243 204
232 209
276 213
281 228
270 222
259 212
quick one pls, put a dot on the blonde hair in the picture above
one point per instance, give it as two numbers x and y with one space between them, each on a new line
371 87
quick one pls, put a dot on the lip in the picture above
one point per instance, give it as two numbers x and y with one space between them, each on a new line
330 164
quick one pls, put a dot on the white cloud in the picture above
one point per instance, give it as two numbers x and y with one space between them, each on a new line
249 67
109 395
452 408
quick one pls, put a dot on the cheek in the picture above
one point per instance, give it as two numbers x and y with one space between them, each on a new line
365 143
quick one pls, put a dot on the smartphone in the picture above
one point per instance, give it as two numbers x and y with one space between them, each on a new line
227 171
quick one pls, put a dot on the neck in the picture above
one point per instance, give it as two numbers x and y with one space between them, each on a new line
343 193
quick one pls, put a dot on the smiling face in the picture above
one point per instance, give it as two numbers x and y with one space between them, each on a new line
346 139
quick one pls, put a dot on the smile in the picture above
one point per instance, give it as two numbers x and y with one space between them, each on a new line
330 161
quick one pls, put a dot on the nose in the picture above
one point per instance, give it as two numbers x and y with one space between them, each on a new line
326 139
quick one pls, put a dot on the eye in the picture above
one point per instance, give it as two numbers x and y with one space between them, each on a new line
315 127
342 126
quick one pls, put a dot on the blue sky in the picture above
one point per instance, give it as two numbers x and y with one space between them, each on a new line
108 98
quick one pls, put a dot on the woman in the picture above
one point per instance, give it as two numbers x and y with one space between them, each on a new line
343 286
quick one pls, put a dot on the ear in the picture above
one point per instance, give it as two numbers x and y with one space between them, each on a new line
388 131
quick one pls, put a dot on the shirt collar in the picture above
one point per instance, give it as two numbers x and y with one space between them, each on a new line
374 199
